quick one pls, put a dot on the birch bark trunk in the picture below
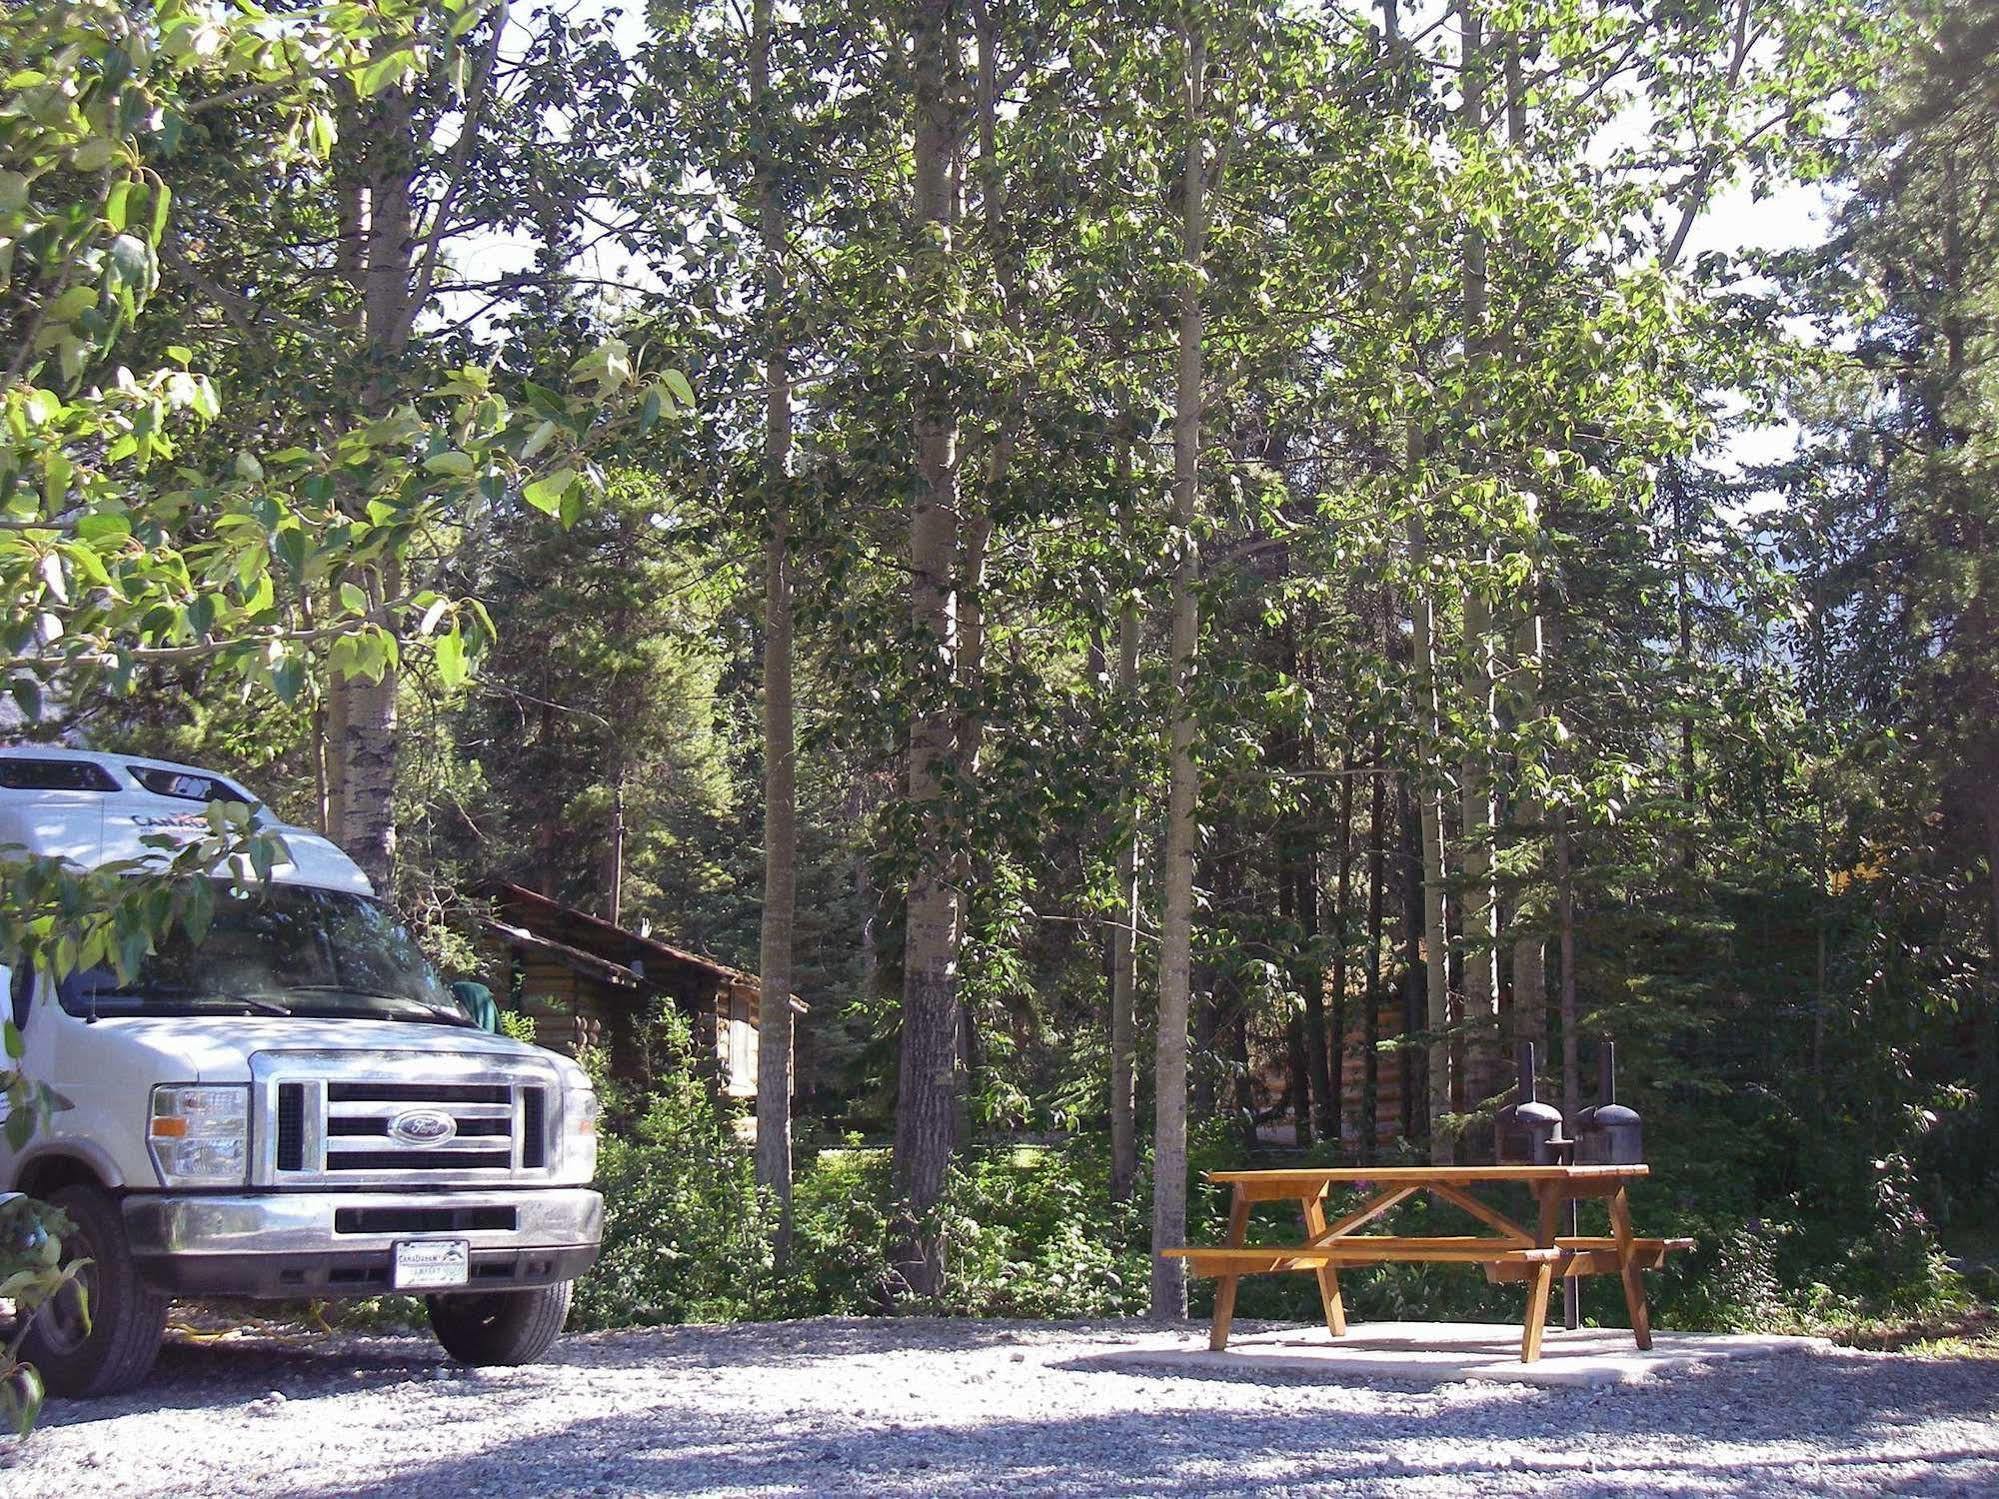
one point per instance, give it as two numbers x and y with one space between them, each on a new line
377 242
1169 1188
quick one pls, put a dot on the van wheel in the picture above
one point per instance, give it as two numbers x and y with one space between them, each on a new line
104 1340
500 1327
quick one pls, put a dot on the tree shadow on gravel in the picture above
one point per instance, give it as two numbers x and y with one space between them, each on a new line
796 1343
200 1375
197 1375
1757 1398
1852 1413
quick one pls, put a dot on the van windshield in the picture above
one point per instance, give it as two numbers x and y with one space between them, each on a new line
279 950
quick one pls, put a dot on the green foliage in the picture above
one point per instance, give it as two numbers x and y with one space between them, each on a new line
31 1273
684 1231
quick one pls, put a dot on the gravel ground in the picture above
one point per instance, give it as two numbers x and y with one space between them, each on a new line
961 1408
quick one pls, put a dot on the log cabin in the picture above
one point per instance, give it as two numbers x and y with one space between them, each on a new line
584 980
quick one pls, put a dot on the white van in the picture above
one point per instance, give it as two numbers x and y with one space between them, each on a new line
296 1107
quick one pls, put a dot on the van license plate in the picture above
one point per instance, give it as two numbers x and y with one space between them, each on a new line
431 1264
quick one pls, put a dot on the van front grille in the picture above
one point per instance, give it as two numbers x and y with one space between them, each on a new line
291 1126
418 1093
534 1128
377 1131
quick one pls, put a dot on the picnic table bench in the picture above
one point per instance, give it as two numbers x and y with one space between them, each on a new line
1510 1253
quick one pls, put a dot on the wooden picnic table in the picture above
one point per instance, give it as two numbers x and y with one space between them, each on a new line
1510 1253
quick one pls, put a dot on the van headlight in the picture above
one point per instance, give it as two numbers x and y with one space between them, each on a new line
579 1136
200 1137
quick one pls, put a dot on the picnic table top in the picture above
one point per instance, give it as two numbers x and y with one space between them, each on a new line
1316 1176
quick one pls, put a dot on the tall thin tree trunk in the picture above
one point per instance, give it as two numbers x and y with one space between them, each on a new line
1169 1146
1320 1057
1530 815
1565 918
369 756
614 852
929 1077
1429 793
1298 1083
977 503
1377 878
1415 984
376 240
1475 780
1985 1040
1684 613
780 747
1530 943
1124 933
1324 1058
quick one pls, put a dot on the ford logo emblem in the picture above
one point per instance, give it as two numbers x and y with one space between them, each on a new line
422 1127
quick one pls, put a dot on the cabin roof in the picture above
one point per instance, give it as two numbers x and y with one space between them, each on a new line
599 947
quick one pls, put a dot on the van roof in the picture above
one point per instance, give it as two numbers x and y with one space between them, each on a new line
93 807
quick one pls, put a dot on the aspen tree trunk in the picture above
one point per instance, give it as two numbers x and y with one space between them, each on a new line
1530 943
1565 921
774 959
1320 1056
1415 980
1326 1058
1124 934
1300 1082
929 1078
1427 790
1169 1146
1476 814
1986 1038
1530 958
1429 796
1377 879
975 531
1565 933
377 240
1683 610
369 754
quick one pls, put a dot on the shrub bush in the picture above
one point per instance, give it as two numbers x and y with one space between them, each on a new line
685 1232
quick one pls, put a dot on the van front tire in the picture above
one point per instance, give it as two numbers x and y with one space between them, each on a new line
500 1327
113 1348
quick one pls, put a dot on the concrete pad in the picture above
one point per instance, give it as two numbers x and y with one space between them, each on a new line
1437 1353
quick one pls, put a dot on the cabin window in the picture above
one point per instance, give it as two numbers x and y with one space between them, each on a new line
17 774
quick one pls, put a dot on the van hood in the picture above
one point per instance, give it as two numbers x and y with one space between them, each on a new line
218 1048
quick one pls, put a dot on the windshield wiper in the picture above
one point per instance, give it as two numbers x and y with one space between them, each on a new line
256 1002
189 995
430 1011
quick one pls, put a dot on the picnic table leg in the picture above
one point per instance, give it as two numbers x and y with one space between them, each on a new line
1634 1286
1218 1331
1329 1278
1550 1195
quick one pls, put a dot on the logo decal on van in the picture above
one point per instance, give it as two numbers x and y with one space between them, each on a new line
422 1127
